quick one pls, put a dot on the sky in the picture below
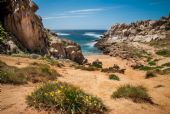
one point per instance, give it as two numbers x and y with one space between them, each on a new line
98 14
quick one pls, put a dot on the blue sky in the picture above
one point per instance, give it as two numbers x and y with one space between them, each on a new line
98 14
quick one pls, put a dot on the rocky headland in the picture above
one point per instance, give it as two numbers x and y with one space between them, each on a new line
22 31
136 40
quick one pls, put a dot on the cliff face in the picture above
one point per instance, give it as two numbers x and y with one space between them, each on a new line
26 30
20 20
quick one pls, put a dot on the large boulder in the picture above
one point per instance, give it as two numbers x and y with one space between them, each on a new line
20 20
64 48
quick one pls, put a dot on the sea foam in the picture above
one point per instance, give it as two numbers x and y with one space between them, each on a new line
93 34
63 34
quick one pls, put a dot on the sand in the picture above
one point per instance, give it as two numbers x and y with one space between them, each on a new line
12 98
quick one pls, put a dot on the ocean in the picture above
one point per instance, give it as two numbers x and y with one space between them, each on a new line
86 39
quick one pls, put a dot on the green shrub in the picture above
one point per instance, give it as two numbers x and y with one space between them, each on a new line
166 64
64 98
150 74
164 52
152 63
10 77
3 34
36 73
113 77
97 64
39 73
137 94
113 69
88 68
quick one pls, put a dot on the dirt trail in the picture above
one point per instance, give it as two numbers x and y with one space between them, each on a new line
95 83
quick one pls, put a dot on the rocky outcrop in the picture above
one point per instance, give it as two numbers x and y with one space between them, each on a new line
20 20
64 48
27 33
119 40
141 31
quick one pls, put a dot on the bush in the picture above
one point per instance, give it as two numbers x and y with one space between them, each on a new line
166 64
113 77
150 74
10 77
136 94
113 69
36 73
3 34
64 98
164 52
97 64
88 68
39 73
152 63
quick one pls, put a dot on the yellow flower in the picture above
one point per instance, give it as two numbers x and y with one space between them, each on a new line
56 81
59 91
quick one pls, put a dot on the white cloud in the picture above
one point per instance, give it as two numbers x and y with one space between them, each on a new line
87 10
64 17
80 13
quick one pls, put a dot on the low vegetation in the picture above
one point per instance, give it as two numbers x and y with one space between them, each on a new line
94 66
113 77
64 98
113 69
166 64
150 74
152 63
163 52
53 62
162 43
97 64
136 94
3 34
33 73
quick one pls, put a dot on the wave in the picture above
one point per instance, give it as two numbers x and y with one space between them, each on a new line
90 44
93 34
63 34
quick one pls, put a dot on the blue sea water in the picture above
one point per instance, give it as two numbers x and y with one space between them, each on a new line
86 39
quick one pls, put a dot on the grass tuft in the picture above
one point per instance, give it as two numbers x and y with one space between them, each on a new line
88 68
150 74
163 52
97 64
113 77
35 73
136 94
166 64
64 98
152 63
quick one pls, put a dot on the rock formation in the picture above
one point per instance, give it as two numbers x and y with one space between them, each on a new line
119 39
26 32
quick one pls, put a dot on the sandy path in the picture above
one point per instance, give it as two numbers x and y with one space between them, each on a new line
95 83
